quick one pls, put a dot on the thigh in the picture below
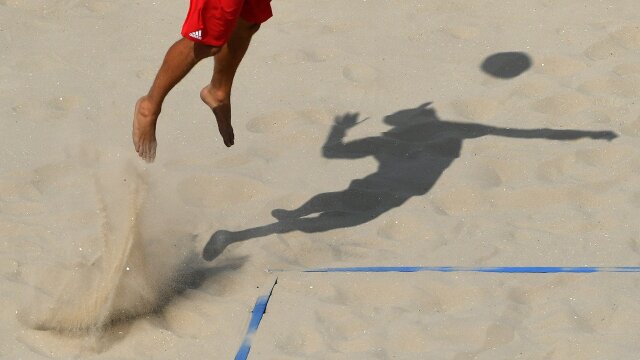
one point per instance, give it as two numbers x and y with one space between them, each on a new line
256 11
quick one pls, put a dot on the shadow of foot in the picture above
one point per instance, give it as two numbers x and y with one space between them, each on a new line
281 214
217 243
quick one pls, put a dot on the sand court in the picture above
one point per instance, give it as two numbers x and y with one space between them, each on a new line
389 133
447 316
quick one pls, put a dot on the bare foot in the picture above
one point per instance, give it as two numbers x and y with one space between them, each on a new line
222 110
144 129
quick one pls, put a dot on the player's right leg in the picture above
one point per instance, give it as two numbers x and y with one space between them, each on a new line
217 94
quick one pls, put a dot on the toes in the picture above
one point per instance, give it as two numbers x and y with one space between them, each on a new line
229 138
143 152
149 154
153 153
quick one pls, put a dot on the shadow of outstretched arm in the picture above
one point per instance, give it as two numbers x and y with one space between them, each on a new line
551 134
475 130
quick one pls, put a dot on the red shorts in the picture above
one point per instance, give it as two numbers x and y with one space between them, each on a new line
211 21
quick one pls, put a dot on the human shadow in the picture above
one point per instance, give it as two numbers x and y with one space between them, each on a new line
411 156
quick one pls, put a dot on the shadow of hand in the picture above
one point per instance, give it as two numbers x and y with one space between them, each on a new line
604 135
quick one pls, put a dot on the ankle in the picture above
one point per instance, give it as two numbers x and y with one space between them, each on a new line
148 108
220 96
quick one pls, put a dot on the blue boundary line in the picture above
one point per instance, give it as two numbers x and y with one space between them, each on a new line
261 303
256 316
500 269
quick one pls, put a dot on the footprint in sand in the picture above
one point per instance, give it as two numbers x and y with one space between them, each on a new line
26 4
272 122
204 166
534 89
360 73
460 200
290 57
406 228
560 66
99 7
561 104
627 69
631 128
628 86
316 116
304 56
483 175
554 169
186 319
499 334
233 161
519 296
408 337
215 192
532 197
461 32
65 104
617 43
606 156
477 108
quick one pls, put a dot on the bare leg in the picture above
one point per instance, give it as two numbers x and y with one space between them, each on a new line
217 95
181 57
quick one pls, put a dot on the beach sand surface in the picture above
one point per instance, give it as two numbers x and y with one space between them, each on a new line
433 162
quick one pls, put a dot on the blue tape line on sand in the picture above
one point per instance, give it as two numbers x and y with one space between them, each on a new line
256 316
502 269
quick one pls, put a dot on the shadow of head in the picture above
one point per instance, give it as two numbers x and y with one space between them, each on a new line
414 116
506 65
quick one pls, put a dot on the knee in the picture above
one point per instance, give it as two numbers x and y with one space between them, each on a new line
247 27
202 51
253 28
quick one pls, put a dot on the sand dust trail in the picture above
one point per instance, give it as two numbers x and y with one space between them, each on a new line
118 283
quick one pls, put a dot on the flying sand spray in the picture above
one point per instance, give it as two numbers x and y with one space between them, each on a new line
121 282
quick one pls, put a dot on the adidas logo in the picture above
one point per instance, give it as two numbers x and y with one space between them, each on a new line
196 34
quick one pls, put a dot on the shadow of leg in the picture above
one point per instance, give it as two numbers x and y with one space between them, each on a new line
319 203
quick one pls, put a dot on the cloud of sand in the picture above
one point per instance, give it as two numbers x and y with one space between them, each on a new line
143 246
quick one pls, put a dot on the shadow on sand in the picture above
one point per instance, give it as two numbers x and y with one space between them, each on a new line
411 156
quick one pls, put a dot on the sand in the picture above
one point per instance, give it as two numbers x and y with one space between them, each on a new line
434 161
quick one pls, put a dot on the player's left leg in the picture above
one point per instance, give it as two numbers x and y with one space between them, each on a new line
217 94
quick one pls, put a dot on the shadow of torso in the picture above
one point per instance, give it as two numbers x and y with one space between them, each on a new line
410 161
